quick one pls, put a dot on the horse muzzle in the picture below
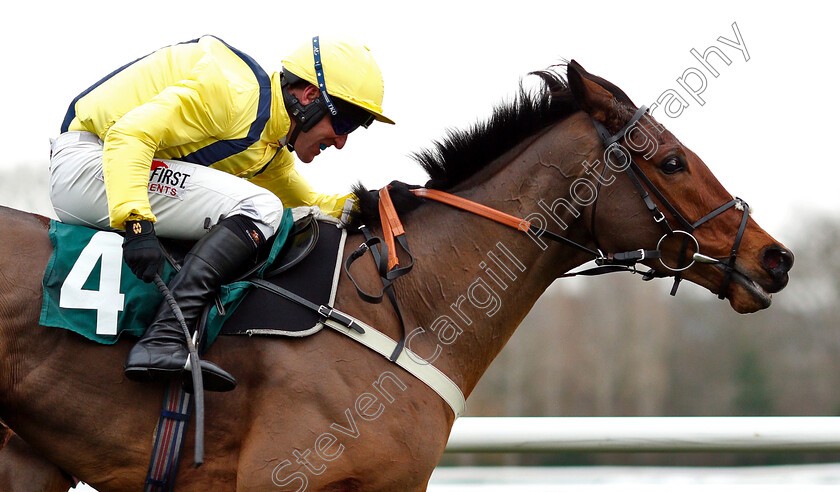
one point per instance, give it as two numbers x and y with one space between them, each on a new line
751 289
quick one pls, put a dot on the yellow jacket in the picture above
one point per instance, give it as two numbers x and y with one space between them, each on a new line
202 102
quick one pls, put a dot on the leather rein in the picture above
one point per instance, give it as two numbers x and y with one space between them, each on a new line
388 264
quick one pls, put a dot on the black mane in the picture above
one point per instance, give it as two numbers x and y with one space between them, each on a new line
462 153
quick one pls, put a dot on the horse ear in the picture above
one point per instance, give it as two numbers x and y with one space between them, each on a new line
598 97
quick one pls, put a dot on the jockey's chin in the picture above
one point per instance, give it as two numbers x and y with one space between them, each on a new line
322 136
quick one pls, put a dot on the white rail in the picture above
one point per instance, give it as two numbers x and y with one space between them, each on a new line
644 434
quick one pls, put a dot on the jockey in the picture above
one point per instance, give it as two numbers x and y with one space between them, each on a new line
197 137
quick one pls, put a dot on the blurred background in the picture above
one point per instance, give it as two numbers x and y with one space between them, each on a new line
618 346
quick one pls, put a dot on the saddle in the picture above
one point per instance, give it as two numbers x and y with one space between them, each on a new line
301 241
285 297
284 293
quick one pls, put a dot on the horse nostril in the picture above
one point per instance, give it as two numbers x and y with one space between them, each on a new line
777 260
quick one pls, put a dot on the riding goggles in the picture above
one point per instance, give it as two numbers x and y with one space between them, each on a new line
349 117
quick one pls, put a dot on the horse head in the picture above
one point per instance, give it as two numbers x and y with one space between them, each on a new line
738 260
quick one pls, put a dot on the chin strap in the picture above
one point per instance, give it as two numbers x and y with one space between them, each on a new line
293 138
305 117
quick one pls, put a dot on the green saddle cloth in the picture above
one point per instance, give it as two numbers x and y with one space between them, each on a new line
88 288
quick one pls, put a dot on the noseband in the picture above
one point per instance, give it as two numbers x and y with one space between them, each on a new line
687 228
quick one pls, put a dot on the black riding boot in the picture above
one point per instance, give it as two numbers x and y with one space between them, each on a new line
162 351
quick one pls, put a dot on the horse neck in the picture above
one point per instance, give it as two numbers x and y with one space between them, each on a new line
475 279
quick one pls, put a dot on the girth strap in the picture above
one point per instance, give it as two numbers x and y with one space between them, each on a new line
169 439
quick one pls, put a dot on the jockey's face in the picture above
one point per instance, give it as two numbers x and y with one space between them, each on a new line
309 144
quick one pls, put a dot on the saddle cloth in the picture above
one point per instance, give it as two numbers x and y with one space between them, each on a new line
88 289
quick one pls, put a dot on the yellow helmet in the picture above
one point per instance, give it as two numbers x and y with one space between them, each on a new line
347 71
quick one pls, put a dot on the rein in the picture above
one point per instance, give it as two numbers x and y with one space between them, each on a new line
388 263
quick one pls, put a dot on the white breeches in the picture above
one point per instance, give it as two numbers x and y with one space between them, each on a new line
186 198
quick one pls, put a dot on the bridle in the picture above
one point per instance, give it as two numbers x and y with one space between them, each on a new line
637 176
393 232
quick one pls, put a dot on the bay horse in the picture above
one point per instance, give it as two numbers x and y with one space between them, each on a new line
324 413
23 469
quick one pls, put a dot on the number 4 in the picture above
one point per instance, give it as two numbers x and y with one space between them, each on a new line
108 301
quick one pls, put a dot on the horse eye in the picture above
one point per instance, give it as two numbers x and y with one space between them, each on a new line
673 165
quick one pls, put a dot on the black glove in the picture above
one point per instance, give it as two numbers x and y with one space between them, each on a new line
404 200
141 250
